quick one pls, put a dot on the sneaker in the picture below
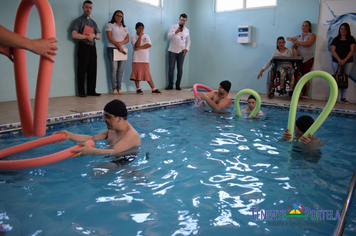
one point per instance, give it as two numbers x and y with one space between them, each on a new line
170 86
343 100
156 91
139 91
282 90
178 87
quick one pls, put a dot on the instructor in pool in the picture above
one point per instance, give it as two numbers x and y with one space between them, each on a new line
120 135
219 99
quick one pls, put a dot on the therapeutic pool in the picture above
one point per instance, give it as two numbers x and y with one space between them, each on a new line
198 173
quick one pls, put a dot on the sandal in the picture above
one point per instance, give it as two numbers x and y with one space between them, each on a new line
305 97
343 100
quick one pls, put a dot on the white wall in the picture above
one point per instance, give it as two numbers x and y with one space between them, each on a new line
215 54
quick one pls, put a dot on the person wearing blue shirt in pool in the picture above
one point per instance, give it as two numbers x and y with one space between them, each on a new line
120 135
251 102
302 124
218 100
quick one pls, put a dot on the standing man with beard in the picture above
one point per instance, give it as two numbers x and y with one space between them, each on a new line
120 135
218 100
178 48
85 30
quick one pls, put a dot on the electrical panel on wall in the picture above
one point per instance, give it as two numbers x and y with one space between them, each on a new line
244 34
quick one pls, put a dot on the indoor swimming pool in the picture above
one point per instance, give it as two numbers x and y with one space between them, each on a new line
198 173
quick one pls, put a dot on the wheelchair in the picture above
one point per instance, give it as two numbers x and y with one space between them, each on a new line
273 77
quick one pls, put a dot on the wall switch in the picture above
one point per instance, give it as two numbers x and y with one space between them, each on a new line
254 44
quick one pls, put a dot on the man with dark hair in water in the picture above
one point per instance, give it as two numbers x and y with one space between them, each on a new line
218 100
302 124
120 135
251 102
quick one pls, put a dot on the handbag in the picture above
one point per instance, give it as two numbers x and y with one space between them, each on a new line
342 79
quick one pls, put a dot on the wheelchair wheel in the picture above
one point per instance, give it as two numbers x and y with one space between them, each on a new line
270 94
269 81
298 77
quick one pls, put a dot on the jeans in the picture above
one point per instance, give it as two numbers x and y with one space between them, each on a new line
116 69
347 70
173 57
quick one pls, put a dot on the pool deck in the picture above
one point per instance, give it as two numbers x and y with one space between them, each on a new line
72 106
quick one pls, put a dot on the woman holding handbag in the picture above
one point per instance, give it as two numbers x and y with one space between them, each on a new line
342 49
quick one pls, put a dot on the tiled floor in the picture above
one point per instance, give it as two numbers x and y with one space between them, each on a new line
61 106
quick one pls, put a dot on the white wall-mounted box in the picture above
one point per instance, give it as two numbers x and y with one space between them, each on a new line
244 34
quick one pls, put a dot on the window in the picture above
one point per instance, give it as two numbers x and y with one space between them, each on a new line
228 5
156 3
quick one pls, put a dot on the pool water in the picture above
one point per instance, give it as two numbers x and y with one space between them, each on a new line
198 173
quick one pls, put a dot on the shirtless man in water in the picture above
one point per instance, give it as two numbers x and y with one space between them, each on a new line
120 135
218 100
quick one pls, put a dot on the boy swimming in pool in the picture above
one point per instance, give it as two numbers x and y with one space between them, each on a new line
301 126
218 100
120 135
251 102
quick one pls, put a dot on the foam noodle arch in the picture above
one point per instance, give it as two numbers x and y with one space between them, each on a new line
38 161
196 86
328 107
247 91
37 125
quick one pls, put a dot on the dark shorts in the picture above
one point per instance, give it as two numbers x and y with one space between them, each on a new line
123 160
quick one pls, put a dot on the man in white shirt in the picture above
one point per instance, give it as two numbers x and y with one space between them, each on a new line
178 48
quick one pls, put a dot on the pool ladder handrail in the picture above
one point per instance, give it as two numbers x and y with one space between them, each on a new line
339 230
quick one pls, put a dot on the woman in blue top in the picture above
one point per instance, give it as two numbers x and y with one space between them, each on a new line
342 49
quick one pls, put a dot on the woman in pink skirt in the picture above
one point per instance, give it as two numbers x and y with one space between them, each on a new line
140 60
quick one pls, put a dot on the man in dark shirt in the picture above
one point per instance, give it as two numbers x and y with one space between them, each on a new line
85 30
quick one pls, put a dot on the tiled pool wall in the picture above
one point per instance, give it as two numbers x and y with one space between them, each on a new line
56 123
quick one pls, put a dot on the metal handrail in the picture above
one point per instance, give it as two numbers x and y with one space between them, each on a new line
339 230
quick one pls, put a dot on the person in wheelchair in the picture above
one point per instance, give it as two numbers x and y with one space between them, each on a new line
284 68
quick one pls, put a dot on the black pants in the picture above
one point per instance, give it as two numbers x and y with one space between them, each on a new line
86 65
